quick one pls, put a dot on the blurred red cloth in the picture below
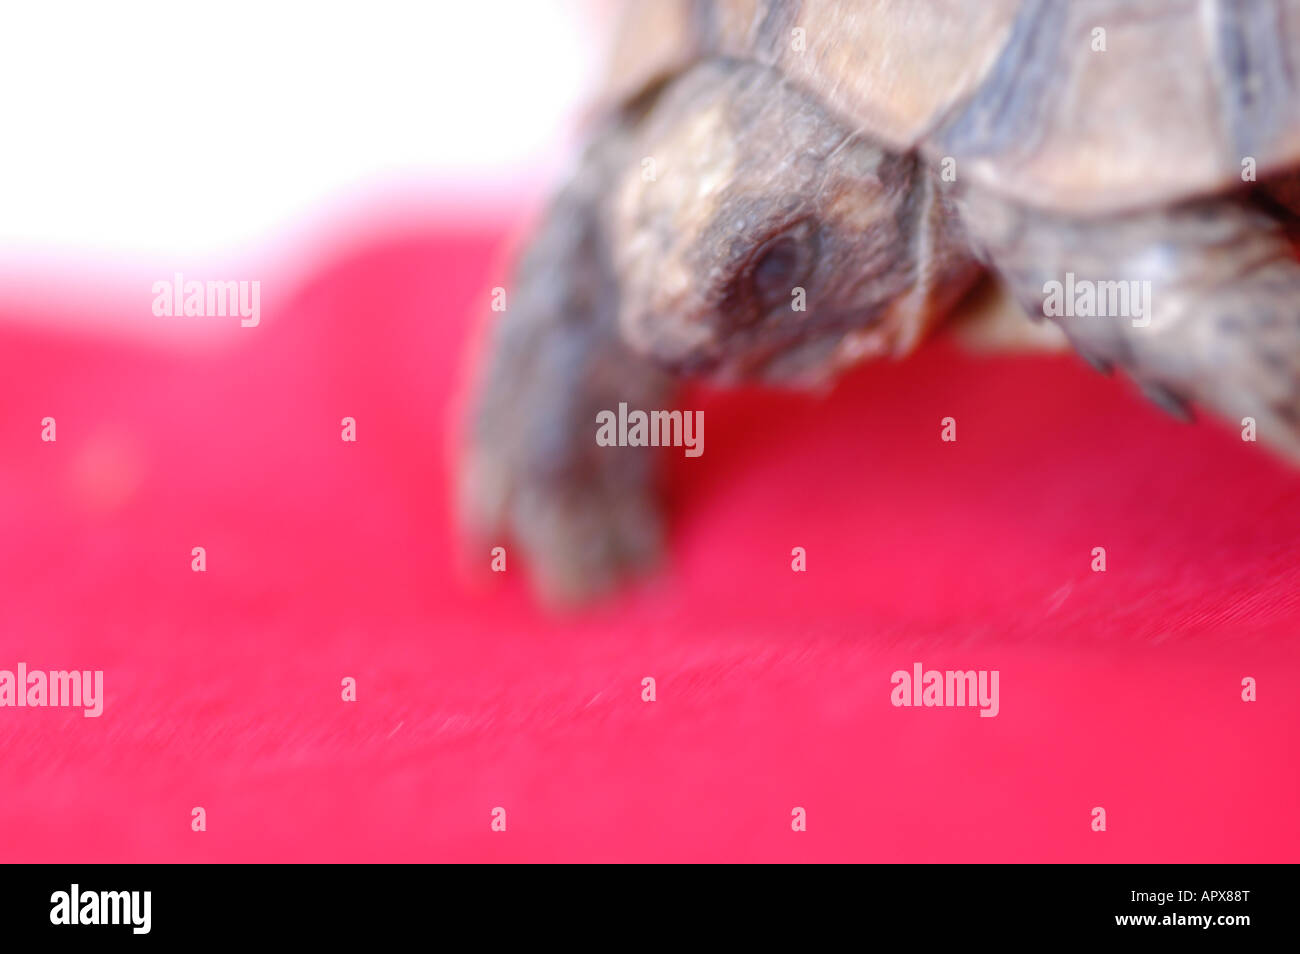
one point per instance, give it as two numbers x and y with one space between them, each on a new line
327 559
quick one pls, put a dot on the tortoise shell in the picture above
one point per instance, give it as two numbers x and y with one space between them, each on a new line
1087 108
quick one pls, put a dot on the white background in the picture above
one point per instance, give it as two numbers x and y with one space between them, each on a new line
183 127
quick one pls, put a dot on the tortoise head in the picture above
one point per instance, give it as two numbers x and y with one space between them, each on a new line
757 237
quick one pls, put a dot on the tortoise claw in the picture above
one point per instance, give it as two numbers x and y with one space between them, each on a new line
1098 364
1167 400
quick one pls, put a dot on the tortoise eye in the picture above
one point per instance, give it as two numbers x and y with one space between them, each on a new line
781 264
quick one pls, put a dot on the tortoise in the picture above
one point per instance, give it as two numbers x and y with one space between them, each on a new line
870 159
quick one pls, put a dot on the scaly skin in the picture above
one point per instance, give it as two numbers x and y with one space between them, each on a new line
756 197
635 280
1223 330
583 515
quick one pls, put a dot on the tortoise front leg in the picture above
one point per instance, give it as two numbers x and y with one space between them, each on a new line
1223 321
584 515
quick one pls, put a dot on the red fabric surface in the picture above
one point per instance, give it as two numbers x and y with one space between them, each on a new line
327 559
